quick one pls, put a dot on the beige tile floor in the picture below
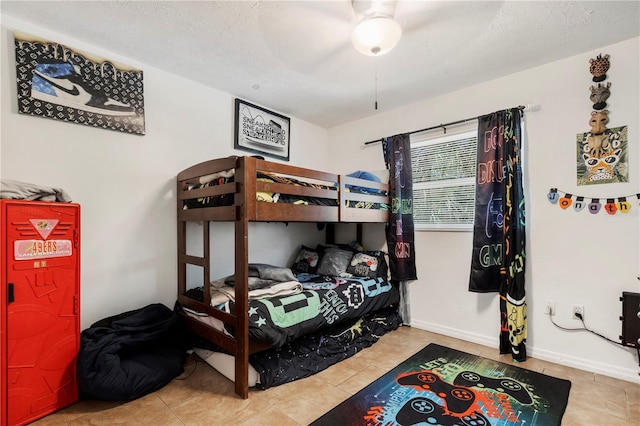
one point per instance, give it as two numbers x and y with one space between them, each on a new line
202 396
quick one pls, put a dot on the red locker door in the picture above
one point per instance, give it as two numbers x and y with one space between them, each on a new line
42 307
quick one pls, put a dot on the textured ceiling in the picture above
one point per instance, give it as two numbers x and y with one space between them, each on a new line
296 57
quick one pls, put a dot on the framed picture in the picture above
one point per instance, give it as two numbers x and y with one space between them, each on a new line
261 131
61 83
607 165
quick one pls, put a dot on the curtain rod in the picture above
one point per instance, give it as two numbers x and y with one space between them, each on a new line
444 126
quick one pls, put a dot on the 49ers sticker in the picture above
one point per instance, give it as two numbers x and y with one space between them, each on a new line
44 226
41 249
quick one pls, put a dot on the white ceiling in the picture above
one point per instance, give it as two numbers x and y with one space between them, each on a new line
296 57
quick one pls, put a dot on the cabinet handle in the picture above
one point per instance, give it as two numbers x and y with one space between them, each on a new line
10 296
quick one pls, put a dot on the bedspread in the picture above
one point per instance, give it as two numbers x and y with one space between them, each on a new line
279 320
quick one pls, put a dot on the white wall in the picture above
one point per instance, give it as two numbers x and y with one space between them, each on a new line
125 183
572 258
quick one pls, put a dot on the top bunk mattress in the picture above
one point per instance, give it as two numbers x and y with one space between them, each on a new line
300 194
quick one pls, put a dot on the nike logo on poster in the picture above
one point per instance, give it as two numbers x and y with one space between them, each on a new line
73 92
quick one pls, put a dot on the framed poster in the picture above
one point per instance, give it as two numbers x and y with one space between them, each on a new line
608 163
261 131
60 83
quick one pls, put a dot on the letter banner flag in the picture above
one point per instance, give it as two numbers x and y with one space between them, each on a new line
400 234
613 206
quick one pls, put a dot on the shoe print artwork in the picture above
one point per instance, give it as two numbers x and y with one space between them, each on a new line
61 83
261 131
57 82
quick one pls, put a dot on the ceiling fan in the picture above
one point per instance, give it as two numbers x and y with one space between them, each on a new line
377 32
334 23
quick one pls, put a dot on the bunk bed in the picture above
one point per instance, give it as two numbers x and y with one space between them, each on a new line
249 189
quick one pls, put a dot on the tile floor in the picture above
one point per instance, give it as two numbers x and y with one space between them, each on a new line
202 396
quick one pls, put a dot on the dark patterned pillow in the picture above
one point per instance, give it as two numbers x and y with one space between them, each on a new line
334 261
369 264
307 261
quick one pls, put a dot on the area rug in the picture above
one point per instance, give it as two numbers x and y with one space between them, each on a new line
440 385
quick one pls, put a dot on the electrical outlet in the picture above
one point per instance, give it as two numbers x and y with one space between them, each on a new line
550 308
577 310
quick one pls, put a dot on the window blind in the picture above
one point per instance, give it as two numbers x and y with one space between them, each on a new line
444 171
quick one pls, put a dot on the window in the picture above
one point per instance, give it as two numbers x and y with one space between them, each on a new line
444 170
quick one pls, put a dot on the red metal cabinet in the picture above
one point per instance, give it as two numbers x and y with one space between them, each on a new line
39 308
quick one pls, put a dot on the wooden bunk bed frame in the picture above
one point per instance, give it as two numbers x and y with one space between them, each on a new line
245 209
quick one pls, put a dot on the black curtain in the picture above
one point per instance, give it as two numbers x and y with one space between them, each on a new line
399 229
400 234
498 263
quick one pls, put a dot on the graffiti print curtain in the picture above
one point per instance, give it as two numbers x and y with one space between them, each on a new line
399 229
400 234
498 263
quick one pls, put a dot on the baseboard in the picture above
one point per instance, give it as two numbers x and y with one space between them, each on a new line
454 332
627 374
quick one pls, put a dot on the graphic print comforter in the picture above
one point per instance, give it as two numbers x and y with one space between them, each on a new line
318 351
279 320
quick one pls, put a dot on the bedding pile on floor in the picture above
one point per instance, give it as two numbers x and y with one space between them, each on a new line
127 356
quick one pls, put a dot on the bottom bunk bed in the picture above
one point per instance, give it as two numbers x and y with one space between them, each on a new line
332 303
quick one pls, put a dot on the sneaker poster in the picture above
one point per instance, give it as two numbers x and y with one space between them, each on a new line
57 82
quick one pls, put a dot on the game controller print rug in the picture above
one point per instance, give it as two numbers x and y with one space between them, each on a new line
443 386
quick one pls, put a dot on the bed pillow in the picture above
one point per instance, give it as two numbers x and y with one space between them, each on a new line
369 264
307 261
334 261
361 174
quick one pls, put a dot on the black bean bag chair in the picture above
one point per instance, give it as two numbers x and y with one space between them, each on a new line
127 356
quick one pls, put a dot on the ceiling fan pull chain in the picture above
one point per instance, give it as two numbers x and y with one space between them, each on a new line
376 81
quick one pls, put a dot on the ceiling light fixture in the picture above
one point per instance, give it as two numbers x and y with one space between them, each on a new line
376 35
